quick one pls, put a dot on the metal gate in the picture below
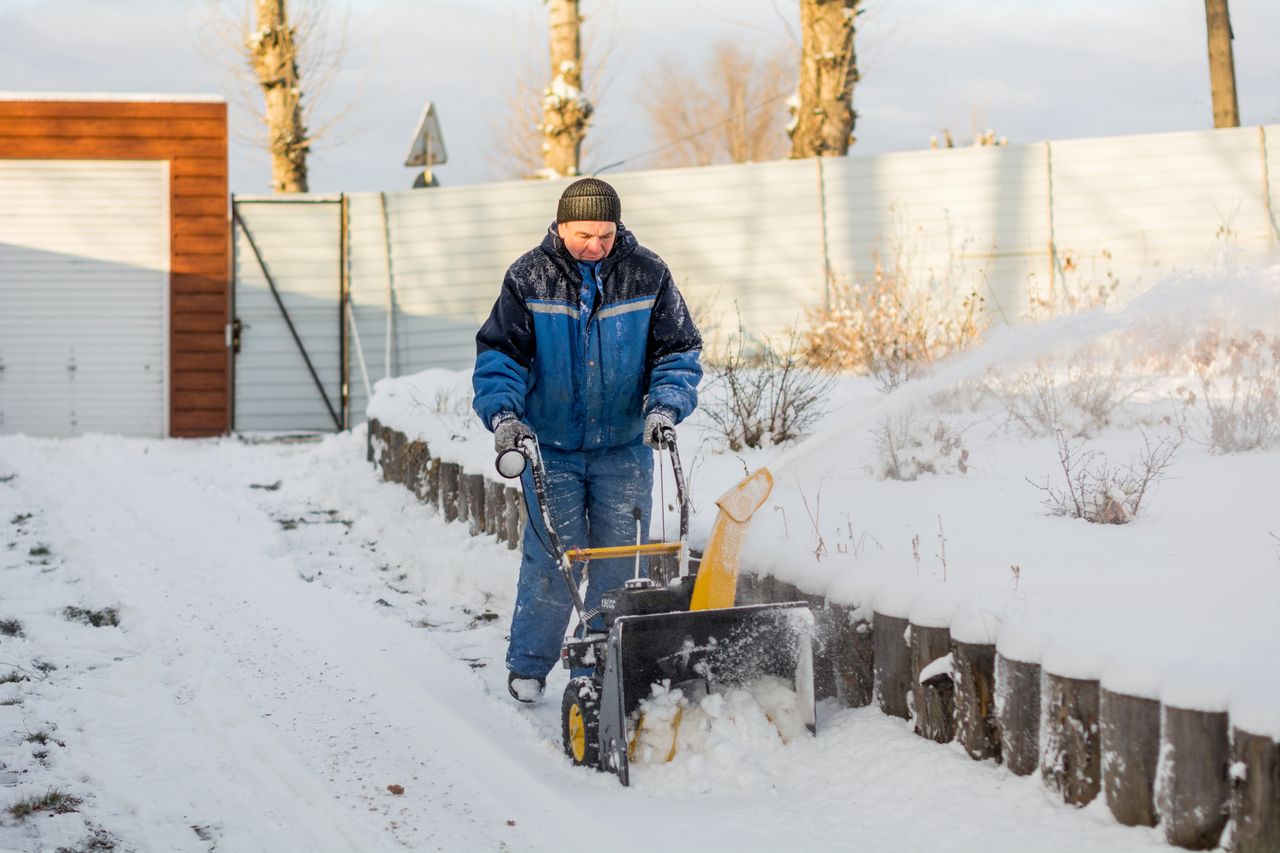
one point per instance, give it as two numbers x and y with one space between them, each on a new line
289 337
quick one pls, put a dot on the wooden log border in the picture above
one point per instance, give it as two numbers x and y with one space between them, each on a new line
1096 741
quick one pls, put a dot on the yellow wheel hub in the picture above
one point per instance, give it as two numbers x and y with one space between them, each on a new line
577 733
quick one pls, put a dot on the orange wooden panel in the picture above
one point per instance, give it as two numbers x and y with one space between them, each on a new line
201 244
203 380
200 205
182 362
208 225
198 423
182 284
204 303
187 400
101 148
181 165
121 128
196 185
194 343
183 322
111 109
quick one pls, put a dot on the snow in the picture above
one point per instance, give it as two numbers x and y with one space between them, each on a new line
286 652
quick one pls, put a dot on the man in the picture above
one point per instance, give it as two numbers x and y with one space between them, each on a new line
591 348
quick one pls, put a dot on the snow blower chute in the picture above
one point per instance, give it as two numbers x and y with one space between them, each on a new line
686 635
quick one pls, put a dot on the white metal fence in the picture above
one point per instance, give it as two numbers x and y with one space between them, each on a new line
1041 222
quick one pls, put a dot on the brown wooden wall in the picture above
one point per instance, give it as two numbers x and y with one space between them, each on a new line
192 136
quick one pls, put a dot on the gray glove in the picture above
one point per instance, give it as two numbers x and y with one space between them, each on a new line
656 423
508 432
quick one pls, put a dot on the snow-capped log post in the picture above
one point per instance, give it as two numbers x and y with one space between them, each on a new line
474 502
824 648
892 664
450 473
1255 795
1130 751
417 459
854 655
431 483
1071 757
494 507
514 501
369 433
932 687
1191 781
1018 704
973 666
748 590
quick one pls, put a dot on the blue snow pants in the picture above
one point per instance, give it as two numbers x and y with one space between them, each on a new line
590 495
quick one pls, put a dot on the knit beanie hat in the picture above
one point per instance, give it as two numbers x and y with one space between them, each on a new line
589 200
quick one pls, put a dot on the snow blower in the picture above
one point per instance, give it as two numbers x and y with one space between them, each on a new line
687 635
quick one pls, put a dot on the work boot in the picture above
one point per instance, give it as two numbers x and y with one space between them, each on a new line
525 688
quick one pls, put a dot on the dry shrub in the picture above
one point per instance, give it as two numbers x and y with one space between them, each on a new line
1240 381
1076 286
889 328
762 396
1081 394
1101 492
908 446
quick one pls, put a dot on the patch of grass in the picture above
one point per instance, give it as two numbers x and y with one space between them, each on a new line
11 628
97 618
98 839
266 487
43 738
13 677
40 551
7 478
16 700
20 518
55 801
43 666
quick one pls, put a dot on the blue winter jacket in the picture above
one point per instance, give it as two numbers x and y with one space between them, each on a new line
584 386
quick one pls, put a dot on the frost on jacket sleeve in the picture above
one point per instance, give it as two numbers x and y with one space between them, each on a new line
675 350
504 353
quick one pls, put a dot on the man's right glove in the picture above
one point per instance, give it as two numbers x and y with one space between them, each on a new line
656 423
509 432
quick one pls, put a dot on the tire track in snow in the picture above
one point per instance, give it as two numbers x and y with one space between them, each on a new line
297 697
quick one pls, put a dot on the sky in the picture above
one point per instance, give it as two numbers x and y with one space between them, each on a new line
1029 69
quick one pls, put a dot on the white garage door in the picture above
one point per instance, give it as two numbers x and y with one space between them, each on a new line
84 309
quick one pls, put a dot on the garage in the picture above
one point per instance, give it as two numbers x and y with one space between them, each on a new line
84 273
114 265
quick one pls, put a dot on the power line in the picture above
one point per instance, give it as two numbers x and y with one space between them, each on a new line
696 133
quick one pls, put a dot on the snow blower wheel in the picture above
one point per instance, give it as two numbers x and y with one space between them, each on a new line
580 722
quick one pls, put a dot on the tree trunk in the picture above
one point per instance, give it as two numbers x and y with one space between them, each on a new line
823 122
1071 761
273 55
933 698
976 729
1222 66
1191 783
565 109
1255 801
1130 750
892 665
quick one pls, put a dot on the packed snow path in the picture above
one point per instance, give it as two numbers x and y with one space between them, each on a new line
295 637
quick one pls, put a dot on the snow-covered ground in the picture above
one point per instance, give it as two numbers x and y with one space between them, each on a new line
284 654
295 637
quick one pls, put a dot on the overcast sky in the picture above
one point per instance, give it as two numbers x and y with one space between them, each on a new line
1030 69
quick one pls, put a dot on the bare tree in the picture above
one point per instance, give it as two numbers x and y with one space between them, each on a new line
273 56
565 109
822 124
730 111
1222 66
